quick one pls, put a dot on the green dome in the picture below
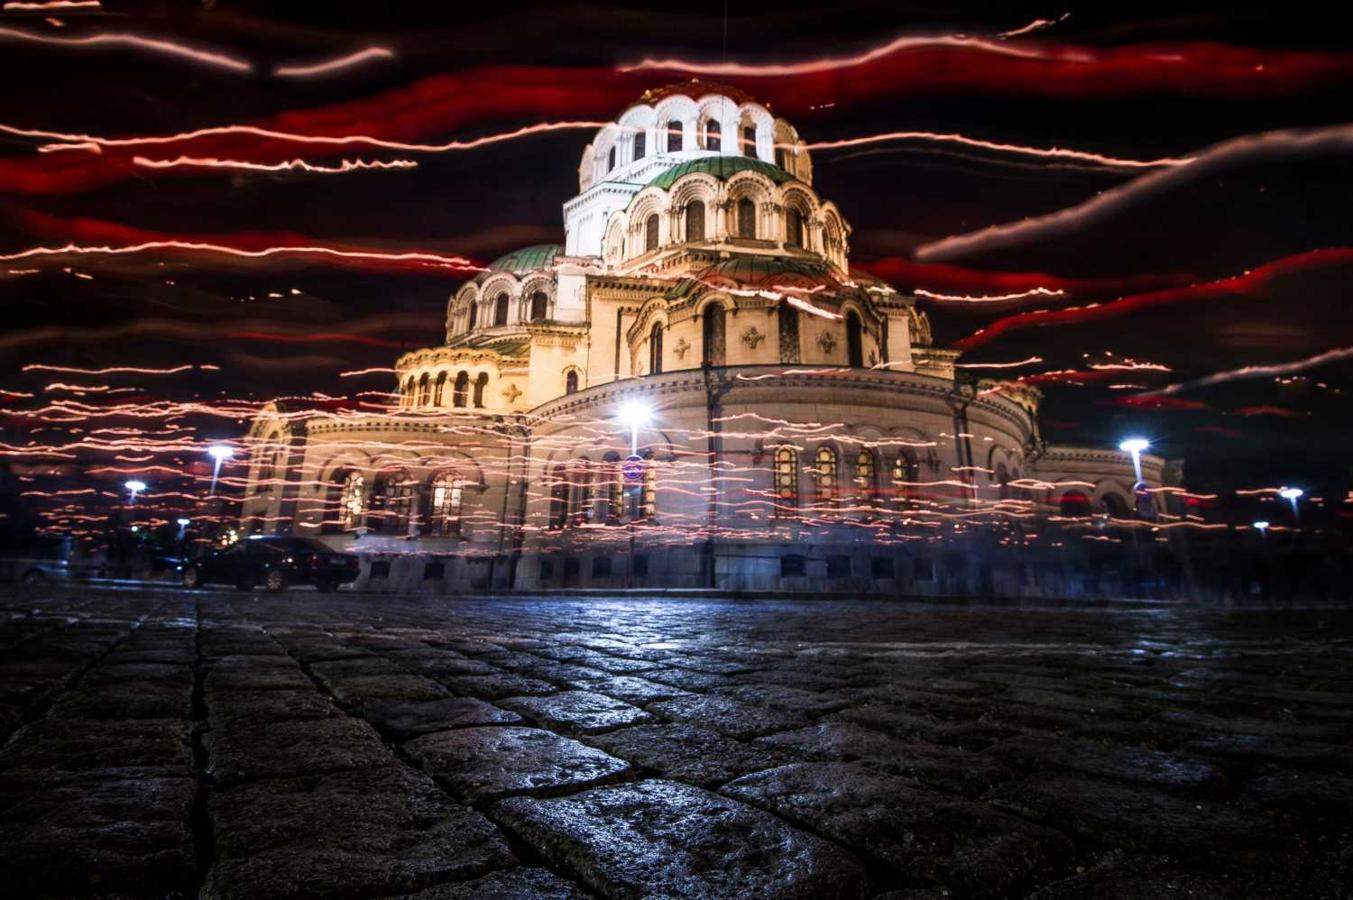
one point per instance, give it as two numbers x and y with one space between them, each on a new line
722 168
757 272
527 259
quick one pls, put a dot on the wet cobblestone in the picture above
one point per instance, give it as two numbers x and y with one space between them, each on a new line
223 744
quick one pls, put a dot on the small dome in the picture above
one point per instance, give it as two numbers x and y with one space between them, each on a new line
527 259
722 168
695 89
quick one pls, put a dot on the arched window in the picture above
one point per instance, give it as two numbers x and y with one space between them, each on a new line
445 496
610 160
864 478
571 382
1114 506
424 390
648 488
1075 505
439 391
854 340
655 349
640 144
713 135
695 220
558 496
824 476
794 228
610 488
461 389
781 158
540 306
651 233
746 212
580 493
787 317
713 335
1002 476
351 501
392 502
500 310
674 136
906 472
410 393
471 312
786 482
479 384
749 140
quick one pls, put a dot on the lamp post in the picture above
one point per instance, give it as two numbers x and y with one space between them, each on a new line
633 413
219 453
1262 527
134 487
1292 495
1135 446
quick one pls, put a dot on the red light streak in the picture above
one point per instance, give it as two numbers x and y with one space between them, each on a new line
1082 156
333 65
294 165
167 48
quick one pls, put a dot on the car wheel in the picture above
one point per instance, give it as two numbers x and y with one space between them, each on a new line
34 577
275 580
191 577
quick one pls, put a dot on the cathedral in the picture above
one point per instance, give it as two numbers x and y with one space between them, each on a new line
695 389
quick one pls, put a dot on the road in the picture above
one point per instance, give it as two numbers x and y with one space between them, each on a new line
234 745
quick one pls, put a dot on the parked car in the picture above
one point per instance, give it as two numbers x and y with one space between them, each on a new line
275 563
36 561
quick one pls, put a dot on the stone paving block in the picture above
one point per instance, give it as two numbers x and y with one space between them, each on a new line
1042 753
808 704
512 884
127 700
687 753
1247 749
959 771
1204 723
64 834
688 679
639 691
289 678
1313 793
245 750
440 662
924 835
496 685
405 720
732 717
374 688
381 831
664 839
89 745
354 667
1147 818
578 712
898 721
486 763
224 707
1136 878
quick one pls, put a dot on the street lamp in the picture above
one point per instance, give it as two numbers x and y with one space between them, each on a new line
1292 495
220 453
1262 527
183 528
135 487
634 413
1135 446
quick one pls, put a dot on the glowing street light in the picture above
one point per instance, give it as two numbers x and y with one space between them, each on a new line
183 527
220 453
1135 446
1292 495
1262 527
135 487
634 413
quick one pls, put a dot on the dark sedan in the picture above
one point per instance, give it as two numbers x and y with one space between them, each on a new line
276 563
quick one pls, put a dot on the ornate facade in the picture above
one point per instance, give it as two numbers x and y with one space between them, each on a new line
802 431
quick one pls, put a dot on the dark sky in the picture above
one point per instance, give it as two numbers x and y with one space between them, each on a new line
1136 82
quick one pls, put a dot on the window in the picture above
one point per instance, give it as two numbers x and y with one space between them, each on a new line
788 320
781 158
380 568
610 488
674 136
471 312
540 306
864 477
713 334
749 140
746 212
580 493
1002 477
648 488
610 160
651 233
434 571
444 503
351 501
655 349
439 392
923 569
392 502
640 144
854 340
786 482
1075 504
1114 506
906 472
794 228
824 476
571 568
558 496
713 135
601 567
793 566
500 310
640 564
571 382
838 566
410 393
424 390
695 220
881 568
479 384
546 569
461 389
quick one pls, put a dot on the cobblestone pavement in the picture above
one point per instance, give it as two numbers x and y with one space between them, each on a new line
230 745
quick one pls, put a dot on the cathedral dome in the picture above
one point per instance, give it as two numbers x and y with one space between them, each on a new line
722 168
523 260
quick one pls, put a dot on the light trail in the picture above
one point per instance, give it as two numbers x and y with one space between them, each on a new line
989 298
1005 365
432 260
337 64
1275 369
1098 159
206 58
110 370
50 5
294 165
1035 25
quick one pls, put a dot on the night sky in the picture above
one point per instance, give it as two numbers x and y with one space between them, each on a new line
1132 83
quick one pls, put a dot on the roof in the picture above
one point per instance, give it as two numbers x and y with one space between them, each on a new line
722 168
527 259
751 272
